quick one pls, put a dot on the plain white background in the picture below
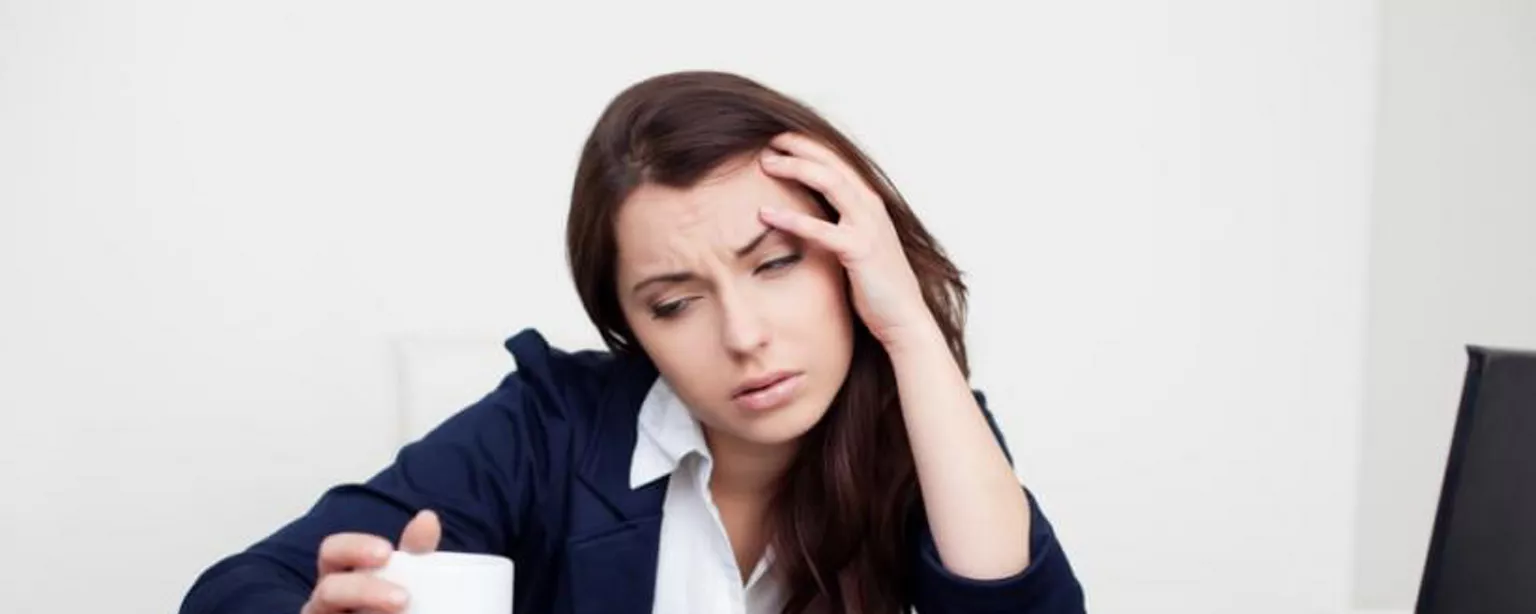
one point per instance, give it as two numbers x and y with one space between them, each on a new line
244 248
1453 255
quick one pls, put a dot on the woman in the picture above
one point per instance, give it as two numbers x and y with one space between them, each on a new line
783 423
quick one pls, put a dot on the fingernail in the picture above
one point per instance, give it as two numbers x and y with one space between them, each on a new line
382 552
772 213
770 157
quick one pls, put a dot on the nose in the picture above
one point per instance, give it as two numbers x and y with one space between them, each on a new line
743 325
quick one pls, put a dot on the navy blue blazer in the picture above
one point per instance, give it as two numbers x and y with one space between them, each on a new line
538 471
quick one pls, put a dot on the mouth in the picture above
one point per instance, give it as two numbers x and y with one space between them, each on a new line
769 391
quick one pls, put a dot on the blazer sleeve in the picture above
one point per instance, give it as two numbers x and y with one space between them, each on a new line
1046 586
471 470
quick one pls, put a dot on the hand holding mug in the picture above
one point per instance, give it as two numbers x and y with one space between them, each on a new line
348 561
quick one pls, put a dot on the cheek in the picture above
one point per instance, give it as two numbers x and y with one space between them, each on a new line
687 352
673 345
814 301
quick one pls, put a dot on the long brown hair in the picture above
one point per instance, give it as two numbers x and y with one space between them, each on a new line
840 522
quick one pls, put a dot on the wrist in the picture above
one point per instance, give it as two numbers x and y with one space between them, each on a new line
922 338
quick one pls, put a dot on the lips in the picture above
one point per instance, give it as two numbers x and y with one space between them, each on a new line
759 383
768 392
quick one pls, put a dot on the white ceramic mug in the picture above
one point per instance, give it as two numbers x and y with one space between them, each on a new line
452 582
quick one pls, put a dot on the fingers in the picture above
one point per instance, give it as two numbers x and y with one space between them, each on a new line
347 592
816 230
339 591
346 551
343 551
422 534
842 187
802 146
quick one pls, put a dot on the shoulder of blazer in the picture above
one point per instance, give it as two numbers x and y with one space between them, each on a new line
586 406
594 396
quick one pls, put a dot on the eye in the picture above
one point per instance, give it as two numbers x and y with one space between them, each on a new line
778 264
669 309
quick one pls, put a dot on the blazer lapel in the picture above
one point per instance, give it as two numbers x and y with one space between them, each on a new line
615 531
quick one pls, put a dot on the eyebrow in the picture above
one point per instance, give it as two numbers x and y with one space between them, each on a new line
757 240
682 276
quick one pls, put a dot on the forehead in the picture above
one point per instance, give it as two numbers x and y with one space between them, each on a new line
658 225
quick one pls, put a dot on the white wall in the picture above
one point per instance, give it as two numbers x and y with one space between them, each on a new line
222 223
1453 256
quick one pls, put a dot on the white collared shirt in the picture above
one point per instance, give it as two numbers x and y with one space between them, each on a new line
696 571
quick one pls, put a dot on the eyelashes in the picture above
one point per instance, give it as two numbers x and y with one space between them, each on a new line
669 309
779 264
673 308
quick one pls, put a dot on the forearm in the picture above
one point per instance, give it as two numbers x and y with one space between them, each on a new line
976 508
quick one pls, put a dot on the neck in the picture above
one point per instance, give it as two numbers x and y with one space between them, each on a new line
746 469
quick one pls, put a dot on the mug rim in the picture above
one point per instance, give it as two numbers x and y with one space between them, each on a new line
456 559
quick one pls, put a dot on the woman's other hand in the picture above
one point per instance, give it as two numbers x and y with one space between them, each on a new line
346 582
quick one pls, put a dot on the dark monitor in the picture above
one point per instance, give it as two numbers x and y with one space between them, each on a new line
1482 554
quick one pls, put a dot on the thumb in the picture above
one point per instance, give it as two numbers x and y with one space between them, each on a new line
422 533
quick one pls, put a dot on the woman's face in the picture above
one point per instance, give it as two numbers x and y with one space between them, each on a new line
750 326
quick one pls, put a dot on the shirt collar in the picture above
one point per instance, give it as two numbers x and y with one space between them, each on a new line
667 434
